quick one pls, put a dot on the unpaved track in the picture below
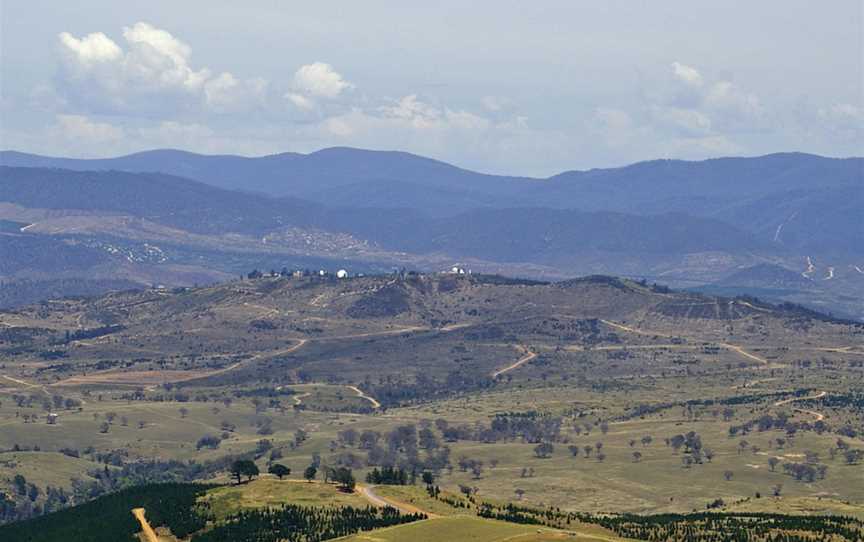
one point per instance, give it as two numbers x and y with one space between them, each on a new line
520 362
148 531
376 500
26 384
818 415
733 347
360 394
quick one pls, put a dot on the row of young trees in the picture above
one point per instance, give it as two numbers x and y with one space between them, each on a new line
108 519
294 523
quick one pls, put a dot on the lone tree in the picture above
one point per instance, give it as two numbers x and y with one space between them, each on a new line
244 467
728 474
279 470
544 450
310 473
773 462
344 478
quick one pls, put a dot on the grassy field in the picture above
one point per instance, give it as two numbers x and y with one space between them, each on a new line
656 483
472 529
271 492
279 367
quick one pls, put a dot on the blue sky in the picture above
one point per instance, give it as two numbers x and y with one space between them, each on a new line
496 86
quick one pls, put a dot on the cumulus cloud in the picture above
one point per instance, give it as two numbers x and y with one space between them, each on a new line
147 82
317 90
683 122
83 129
153 74
320 80
699 104
687 74
300 101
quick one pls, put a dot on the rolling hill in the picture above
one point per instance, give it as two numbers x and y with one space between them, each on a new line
683 223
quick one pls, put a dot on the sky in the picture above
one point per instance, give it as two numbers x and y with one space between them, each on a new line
497 86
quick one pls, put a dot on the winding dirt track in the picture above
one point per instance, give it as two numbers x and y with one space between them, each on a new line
148 531
376 500
360 394
818 415
733 347
521 361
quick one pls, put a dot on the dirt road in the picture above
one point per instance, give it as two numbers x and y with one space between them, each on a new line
376 500
733 347
521 361
818 415
360 394
148 531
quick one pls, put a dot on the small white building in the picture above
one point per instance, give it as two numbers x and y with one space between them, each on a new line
342 274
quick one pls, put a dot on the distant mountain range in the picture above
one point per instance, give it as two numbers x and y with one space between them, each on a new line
684 223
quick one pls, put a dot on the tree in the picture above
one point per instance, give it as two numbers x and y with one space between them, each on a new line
20 484
244 467
772 463
208 441
428 478
544 450
279 470
183 412
104 427
519 493
637 456
728 474
310 473
344 478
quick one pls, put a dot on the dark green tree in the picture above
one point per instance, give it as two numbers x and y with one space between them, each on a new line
310 472
279 470
244 467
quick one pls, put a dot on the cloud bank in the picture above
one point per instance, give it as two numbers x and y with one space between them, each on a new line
145 90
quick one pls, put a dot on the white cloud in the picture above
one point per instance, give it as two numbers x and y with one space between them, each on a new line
320 80
300 101
687 74
683 122
79 127
844 122
152 76
700 105
90 50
